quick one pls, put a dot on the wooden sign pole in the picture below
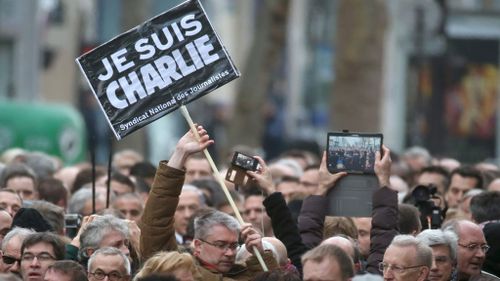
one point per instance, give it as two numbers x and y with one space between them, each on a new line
219 178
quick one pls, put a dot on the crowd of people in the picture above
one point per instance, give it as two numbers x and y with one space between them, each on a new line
175 222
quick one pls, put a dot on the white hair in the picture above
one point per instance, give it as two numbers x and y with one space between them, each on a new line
434 237
110 251
368 277
243 253
192 188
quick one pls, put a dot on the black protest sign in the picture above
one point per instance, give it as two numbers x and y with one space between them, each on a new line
153 69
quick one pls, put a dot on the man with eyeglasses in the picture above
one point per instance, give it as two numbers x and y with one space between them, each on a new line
216 234
471 250
109 262
406 259
39 251
444 253
11 250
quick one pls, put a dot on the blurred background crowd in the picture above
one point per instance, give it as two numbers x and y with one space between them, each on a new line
420 72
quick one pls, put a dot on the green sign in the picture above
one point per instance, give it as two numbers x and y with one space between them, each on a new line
55 129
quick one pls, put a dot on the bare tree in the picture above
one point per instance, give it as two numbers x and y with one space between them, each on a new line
268 44
357 91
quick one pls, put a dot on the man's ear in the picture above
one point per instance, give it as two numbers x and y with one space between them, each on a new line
89 252
424 272
197 246
357 267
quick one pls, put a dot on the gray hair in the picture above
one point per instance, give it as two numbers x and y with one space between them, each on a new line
16 232
418 151
292 164
192 188
130 196
78 199
204 223
473 192
110 251
368 277
52 213
17 170
451 225
424 252
434 237
93 234
42 164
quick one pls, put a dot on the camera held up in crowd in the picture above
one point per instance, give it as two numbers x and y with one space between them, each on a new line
431 215
72 223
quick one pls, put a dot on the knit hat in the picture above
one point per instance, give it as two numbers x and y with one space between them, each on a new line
31 219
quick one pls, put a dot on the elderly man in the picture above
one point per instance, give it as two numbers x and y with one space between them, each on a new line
406 259
11 250
39 251
327 262
471 251
348 245
444 252
109 262
216 233
99 232
81 201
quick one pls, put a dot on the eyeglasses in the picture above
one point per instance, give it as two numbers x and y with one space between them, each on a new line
223 246
43 257
441 259
10 260
474 247
383 267
113 276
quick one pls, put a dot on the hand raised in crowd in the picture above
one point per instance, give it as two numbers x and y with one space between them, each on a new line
326 180
263 177
134 234
383 166
188 145
85 221
252 238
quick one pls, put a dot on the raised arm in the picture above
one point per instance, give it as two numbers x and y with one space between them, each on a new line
313 212
284 227
157 230
384 212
